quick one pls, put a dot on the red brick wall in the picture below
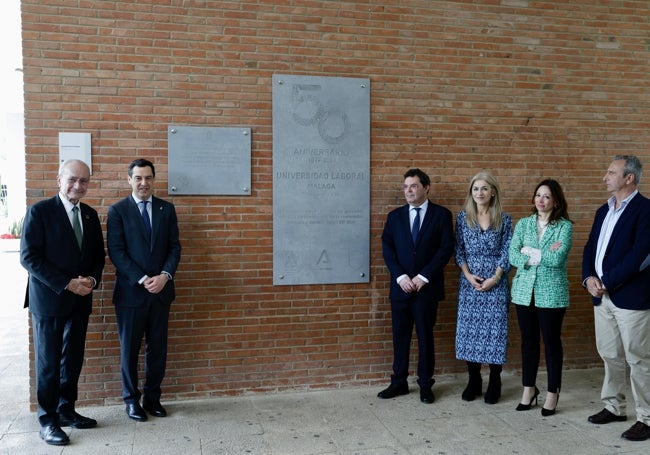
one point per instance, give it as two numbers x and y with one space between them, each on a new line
525 89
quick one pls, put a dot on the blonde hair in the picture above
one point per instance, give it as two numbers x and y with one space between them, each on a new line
495 211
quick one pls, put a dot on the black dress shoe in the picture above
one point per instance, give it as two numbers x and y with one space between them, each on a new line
393 391
606 416
54 435
637 432
426 396
154 408
135 412
75 420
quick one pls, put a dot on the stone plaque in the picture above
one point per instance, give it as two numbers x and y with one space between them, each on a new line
321 180
209 160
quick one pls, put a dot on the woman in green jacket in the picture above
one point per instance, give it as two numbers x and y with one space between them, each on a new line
540 289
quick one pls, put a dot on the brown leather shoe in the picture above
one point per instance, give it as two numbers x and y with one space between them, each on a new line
637 432
606 416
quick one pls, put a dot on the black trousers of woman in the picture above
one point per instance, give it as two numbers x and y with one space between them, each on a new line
534 321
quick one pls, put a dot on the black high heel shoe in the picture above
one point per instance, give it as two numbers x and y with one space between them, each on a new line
526 407
550 412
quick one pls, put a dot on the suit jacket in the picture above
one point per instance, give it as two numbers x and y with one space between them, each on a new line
50 254
627 283
427 257
135 254
548 280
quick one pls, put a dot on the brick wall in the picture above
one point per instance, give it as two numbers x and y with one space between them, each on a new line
525 89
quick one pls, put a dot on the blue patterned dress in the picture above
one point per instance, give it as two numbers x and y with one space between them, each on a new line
482 324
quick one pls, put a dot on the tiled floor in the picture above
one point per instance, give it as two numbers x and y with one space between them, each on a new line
349 421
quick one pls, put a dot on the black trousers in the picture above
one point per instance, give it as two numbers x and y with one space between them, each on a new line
149 322
534 321
405 315
59 344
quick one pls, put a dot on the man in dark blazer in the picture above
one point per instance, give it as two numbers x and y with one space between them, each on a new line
614 274
417 241
62 249
145 250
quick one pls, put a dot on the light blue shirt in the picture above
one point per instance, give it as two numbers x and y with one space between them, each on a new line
607 228
149 205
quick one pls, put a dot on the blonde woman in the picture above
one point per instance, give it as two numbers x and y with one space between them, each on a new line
483 233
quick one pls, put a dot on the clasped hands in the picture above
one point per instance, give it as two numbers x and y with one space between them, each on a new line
595 287
414 284
83 285
481 284
155 284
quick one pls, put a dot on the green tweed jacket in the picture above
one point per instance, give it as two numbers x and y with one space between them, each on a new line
548 281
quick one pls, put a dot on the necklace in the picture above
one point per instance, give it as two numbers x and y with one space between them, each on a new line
541 227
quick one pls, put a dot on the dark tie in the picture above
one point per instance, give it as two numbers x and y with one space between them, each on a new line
76 226
415 230
145 218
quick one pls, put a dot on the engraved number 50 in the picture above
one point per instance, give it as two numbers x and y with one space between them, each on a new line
332 124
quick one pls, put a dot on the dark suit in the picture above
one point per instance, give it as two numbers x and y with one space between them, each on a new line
51 255
428 257
140 313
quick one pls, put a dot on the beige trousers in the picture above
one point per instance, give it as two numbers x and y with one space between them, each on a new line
622 339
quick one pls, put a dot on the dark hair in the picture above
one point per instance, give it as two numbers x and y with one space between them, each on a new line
424 178
561 208
632 166
141 162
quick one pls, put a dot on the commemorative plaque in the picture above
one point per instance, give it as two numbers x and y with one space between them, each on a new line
321 180
209 160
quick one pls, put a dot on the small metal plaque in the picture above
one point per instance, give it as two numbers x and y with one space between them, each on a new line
321 180
209 160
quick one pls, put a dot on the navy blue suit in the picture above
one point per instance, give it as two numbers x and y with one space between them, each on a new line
629 246
139 312
427 257
51 255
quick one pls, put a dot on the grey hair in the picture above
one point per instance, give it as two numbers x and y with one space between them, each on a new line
632 166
